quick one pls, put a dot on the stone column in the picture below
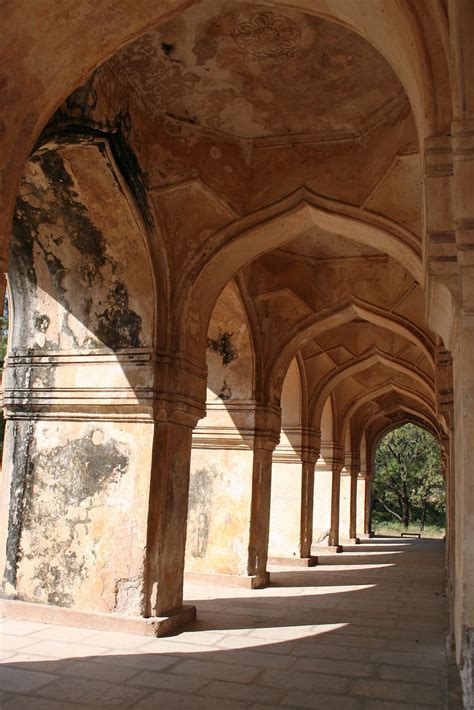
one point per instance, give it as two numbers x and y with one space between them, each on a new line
445 414
362 484
326 488
368 487
292 495
267 434
355 469
176 415
311 447
449 165
338 465
463 373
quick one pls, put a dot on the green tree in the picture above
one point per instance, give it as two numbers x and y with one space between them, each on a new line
408 483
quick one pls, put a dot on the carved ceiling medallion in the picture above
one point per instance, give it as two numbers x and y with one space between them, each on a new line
267 35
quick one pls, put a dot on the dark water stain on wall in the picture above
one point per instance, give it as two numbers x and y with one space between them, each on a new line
118 326
80 229
200 509
115 326
223 346
21 438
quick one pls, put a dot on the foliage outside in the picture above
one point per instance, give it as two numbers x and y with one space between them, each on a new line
409 489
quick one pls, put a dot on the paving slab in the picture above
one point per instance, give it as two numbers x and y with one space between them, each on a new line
363 631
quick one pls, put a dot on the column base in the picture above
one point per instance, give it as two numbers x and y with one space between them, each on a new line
102 621
467 670
243 581
350 541
366 536
326 549
454 690
294 561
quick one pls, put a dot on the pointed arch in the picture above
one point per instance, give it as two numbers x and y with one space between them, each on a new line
349 410
228 250
330 318
357 365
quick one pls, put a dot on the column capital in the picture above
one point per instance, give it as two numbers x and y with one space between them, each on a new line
267 426
180 389
311 445
338 457
444 386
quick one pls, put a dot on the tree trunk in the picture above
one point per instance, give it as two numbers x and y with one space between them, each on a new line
423 516
406 513
405 499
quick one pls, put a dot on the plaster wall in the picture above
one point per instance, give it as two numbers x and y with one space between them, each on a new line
222 455
76 484
285 506
322 501
219 511
361 498
77 387
344 504
285 509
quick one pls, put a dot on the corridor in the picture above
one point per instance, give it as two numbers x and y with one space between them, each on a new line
362 631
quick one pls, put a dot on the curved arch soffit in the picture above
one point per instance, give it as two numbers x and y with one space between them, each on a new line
249 318
304 388
241 242
378 391
354 367
330 318
393 29
413 416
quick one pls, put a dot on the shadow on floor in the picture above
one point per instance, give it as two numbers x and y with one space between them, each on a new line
363 631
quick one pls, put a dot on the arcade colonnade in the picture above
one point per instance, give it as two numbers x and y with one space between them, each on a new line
239 246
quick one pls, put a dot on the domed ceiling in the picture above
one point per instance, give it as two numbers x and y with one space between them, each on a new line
251 72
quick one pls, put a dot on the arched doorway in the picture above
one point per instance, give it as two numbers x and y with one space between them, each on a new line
408 488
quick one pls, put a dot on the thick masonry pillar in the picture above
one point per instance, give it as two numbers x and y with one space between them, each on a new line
311 446
167 514
326 498
445 414
176 415
362 485
449 166
464 531
267 434
291 516
463 371
368 501
338 465
355 469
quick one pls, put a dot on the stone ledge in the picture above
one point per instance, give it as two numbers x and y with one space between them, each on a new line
350 541
326 549
228 580
294 561
102 621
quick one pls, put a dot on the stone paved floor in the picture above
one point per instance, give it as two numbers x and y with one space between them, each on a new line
363 631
